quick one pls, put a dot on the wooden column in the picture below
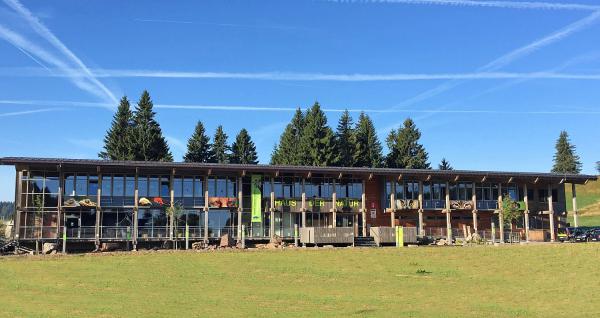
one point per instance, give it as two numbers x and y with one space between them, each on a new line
575 212
240 209
272 210
363 204
474 200
98 209
19 204
334 204
448 215
172 196
303 203
206 209
61 178
136 198
551 214
526 212
393 203
421 227
500 213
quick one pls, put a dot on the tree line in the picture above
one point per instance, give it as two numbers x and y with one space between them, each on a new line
307 140
7 209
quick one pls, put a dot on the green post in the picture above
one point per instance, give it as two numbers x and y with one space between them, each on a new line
399 236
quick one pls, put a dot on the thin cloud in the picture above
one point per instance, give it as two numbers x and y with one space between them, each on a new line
287 76
230 25
47 35
486 4
238 108
28 112
510 57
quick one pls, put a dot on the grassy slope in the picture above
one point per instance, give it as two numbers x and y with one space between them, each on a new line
588 203
539 280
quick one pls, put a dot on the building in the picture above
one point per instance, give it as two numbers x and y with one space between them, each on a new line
96 201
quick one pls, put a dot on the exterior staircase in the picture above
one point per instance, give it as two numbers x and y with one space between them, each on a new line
364 241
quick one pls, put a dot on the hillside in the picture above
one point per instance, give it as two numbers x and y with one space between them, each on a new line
588 202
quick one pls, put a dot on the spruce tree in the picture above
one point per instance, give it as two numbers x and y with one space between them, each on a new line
288 152
565 159
367 148
405 150
118 141
219 149
317 141
344 141
445 165
598 166
198 147
148 141
243 149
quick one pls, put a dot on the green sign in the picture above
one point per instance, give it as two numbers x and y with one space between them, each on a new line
256 198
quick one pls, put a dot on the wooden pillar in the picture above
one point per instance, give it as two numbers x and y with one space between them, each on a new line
303 203
448 215
206 209
421 227
60 201
575 212
172 196
334 205
240 209
500 213
98 209
474 200
393 203
136 198
272 210
363 204
526 212
551 214
19 204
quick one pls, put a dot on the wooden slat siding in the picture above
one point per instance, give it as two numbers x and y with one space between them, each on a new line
373 192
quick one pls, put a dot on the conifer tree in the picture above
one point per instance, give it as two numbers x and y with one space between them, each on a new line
148 141
118 141
367 149
598 166
317 141
405 150
345 141
565 160
219 148
445 165
198 147
243 149
288 152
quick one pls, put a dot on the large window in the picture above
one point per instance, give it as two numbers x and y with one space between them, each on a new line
434 195
118 190
40 189
319 187
487 196
462 191
189 191
223 187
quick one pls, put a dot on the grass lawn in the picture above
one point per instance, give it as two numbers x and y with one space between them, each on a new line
535 280
586 220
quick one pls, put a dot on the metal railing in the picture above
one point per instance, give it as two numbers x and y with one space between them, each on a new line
434 204
195 232
82 232
117 201
153 232
218 232
37 232
487 205
116 232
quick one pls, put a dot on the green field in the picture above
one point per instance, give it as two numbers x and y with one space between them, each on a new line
535 280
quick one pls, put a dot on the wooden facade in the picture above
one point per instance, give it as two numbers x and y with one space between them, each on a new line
117 201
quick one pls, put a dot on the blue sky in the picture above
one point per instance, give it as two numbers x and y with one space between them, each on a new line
490 83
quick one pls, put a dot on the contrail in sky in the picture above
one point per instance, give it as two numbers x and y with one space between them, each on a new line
288 76
292 109
45 33
488 4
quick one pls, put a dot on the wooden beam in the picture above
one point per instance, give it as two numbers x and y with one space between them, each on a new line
510 180
484 178
209 172
370 176
243 173
428 177
399 177
277 173
536 180
562 181
456 178
340 176
309 174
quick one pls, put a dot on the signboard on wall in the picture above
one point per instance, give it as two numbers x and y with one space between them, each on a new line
373 213
256 181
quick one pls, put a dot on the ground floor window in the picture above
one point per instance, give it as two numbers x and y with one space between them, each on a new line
117 223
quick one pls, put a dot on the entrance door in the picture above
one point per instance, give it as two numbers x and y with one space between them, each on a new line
73 224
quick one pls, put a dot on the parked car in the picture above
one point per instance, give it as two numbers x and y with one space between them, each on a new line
579 235
594 235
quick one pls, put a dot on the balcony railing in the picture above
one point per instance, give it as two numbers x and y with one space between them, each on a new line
487 205
37 232
153 232
117 201
434 204
82 232
117 232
